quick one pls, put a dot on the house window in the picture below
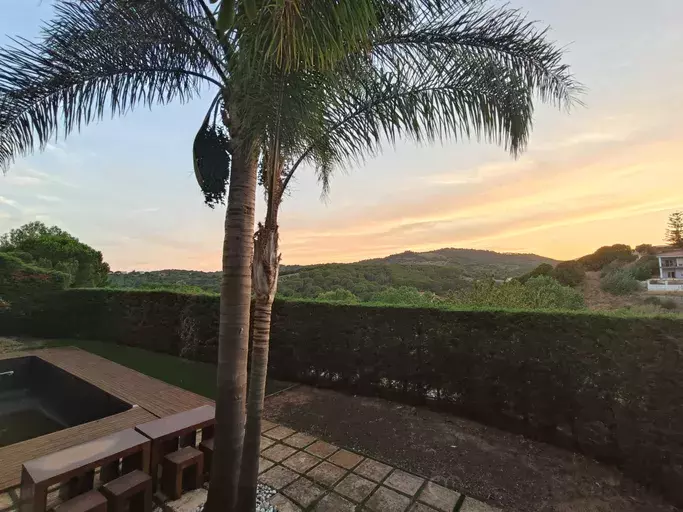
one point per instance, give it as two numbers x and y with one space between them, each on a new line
671 275
669 263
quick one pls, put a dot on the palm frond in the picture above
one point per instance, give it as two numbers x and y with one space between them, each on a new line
447 69
97 57
472 99
459 30
306 34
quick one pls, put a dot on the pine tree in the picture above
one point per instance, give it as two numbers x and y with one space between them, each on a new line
674 230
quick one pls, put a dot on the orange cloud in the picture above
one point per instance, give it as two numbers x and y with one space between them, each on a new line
538 203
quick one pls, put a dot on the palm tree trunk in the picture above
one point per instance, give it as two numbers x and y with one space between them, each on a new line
266 267
265 273
233 335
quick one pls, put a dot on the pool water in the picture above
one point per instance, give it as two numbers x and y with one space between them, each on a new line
27 424
38 398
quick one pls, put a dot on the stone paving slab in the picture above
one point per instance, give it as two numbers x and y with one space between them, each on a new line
472 505
354 487
321 449
326 474
303 491
278 452
387 500
334 503
301 462
404 482
284 504
299 440
373 470
438 497
345 459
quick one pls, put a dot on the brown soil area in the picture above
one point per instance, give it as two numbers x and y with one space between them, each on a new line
599 300
502 469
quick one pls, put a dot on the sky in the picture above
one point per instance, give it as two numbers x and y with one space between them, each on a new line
605 173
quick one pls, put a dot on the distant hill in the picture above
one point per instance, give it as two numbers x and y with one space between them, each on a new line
437 271
498 264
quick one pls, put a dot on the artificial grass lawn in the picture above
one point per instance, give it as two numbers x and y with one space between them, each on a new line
194 376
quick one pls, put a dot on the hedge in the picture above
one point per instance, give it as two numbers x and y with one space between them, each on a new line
610 387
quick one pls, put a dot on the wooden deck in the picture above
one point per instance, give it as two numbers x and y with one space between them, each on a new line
150 398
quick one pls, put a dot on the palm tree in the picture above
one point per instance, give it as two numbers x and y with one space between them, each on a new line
303 81
114 55
429 71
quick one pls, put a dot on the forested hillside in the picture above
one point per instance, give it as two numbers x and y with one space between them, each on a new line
438 271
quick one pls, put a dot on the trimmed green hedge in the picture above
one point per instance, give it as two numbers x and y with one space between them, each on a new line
611 387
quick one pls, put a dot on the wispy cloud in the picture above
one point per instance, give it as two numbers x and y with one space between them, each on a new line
9 202
49 199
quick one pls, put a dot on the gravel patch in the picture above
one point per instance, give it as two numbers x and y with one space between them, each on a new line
263 496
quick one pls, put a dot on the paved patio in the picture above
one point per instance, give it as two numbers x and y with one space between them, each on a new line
312 475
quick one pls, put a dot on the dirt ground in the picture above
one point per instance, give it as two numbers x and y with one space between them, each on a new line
502 469
598 300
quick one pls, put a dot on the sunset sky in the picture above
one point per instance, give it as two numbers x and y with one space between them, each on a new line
609 172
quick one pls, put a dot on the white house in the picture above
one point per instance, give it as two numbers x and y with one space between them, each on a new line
670 273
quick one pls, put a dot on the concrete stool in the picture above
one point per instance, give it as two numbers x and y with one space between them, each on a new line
185 466
91 501
206 448
132 492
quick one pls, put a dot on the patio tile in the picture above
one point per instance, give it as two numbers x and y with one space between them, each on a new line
301 462
472 505
421 507
303 491
279 433
299 440
404 482
346 459
355 488
386 500
373 470
322 449
278 477
264 464
278 453
439 497
326 474
267 425
266 442
283 504
334 503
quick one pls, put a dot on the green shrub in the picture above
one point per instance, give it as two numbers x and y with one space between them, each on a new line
23 284
569 273
645 268
404 296
668 304
338 295
544 269
546 293
612 266
620 282
540 292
